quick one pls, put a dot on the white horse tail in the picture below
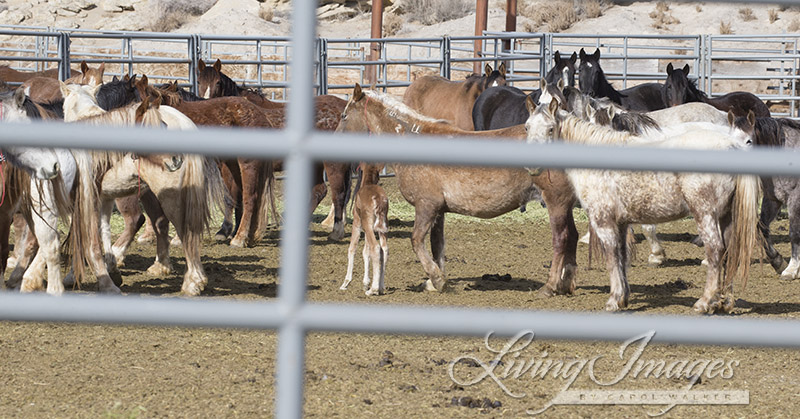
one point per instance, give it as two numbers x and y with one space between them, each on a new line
744 228
85 215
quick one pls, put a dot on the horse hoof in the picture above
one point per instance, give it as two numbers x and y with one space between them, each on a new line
110 289
11 263
706 307
612 305
373 291
237 242
27 287
655 260
56 292
697 241
157 269
728 304
337 233
220 237
546 291
704 262
438 282
779 264
191 290
429 286
146 239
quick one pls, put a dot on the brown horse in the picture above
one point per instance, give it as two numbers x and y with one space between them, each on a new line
212 82
11 75
48 90
479 192
438 97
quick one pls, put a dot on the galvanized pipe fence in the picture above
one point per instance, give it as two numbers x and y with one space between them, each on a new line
292 316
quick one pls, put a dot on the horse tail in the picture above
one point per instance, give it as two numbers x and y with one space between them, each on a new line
744 228
356 168
85 216
267 208
201 185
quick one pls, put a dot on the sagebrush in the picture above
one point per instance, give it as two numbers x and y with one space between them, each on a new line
392 24
172 14
429 12
725 28
747 14
661 16
558 15
773 15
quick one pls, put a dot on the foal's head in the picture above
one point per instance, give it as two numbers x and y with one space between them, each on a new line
543 121
89 76
677 87
494 78
590 75
564 69
211 82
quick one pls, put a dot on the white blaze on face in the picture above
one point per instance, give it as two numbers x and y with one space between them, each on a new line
207 93
495 84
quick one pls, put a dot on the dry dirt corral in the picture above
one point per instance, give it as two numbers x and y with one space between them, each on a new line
58 370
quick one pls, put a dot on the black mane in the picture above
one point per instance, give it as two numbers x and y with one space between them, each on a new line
116 94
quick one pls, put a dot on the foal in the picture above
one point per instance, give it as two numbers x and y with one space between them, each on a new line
370 209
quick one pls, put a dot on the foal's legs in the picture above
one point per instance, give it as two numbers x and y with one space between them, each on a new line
25 248
162 265
657 253
425 215
437 241
351 250
227 229
769 210
793 270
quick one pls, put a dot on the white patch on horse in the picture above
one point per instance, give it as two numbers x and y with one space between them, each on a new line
207 93
495 84
398 129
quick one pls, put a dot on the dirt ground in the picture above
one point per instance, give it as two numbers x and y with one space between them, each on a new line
62 370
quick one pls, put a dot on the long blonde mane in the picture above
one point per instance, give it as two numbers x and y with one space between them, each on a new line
575 130
397 109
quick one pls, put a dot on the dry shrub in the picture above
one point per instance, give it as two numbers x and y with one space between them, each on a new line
591 9
172 14
747 14
557 15
698 8
661 16
773 15
680 52
392 23
725 28
429 12
266 12
794 25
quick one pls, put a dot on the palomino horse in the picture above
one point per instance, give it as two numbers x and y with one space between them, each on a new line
370 212
437 97
212 83
724 206
184 186
678 89
479 192
593 82
48 89
779 190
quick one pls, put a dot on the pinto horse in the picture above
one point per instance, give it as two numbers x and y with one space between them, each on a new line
724 206
678 89
644 97
434 190
437 97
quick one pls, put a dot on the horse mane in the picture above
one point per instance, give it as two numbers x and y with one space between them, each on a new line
45 111
767 131
116 94
692 86
474 79
576 130
229 87
636 123
399 109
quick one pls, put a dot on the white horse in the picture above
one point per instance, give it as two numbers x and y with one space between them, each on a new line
724 206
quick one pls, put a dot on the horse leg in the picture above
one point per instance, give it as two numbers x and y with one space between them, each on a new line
657 253
384 244
437 241
351 250
162 265
6 218
318 190
20 231
249 171
709 230
560 199
769 210
227 229
793 270
424 217
612 237
339 181
134 219
26 246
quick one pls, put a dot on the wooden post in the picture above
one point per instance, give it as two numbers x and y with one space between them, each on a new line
375 47
511 21
481 15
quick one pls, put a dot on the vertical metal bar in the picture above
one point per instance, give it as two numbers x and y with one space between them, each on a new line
625 62
129 41
122 51
294 258
545 52
194 57
64 51
323 66
446 58
258 66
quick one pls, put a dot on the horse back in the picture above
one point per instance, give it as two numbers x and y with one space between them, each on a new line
438 97
500 107
644 97
740 103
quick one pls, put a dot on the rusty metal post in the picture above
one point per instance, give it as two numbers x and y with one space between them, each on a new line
511 20
375 47
481 15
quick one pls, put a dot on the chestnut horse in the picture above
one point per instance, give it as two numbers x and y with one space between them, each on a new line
212 82
437 97
48 90
479 192
11 75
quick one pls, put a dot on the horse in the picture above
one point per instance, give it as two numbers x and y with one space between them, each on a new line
370 212
678 89
434 190
504 106
438 97
184 186
212 82
778 190
10 75
724 206
564 69
592 80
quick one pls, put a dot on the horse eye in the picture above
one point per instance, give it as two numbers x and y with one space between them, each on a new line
344 116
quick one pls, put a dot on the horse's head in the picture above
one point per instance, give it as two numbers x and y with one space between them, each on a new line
590 75
552 91
598 114
542 122
744 129
354 115
564 69
79 101
494 78
676 86
91 76
12 106
210 79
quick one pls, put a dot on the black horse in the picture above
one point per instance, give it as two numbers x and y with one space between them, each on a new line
592 80
678 89
504 106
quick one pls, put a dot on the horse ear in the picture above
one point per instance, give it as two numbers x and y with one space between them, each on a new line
669 69
126 78
115 79
731 118
357 93
574 57
589 110
556 57
686 69
553 108
218 65
502 69
596 54
560 84
751 118
542 84
132 81
64 89
102 68
84 67
583 54
19 96
201 65
487 69
144 80
173 87
157 101
530 104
